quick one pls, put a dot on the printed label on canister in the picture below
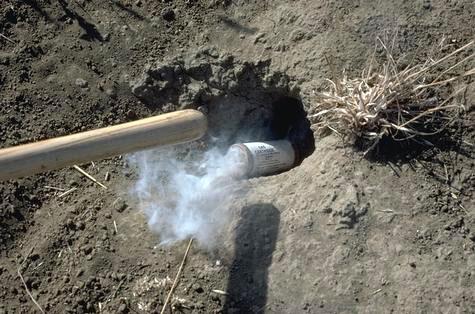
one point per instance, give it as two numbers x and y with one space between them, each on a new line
270 157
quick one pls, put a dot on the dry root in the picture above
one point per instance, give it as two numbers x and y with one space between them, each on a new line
387 102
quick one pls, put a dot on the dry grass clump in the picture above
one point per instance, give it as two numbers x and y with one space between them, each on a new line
388 102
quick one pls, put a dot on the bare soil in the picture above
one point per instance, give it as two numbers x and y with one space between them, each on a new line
338 234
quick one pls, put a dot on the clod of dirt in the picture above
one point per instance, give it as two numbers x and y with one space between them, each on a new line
196 78
349 215
168 14
81 83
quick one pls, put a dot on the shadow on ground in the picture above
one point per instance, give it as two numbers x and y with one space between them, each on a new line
255 241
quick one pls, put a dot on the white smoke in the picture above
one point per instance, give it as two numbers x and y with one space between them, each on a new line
184 195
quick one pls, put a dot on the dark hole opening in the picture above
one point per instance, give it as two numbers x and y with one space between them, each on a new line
263 117
289 121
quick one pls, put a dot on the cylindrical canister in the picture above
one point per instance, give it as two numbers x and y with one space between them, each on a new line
264 158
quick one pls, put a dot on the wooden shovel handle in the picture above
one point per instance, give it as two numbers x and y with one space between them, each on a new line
171 128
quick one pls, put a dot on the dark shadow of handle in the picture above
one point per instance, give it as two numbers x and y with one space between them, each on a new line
255 242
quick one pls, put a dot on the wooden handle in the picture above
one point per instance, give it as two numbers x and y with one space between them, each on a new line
171 128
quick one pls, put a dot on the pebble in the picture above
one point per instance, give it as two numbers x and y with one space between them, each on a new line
81 83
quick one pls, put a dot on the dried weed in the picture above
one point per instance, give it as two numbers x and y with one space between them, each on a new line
388 102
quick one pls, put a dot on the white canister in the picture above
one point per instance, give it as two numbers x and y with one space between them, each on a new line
264 158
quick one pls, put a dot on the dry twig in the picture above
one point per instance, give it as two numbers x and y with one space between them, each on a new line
67 192
87 175
24 283
54 188
177 277
385 101
6 38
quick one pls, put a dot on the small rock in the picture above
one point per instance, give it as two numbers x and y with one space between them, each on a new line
168 14
122 309
81 83
412 264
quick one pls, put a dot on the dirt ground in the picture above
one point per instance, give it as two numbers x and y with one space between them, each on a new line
338 234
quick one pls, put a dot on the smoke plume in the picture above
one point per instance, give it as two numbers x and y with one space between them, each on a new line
187 194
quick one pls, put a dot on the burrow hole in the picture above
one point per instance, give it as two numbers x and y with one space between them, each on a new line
261 117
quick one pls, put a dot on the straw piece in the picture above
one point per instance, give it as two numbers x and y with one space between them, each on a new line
6 38
178 274
87 175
